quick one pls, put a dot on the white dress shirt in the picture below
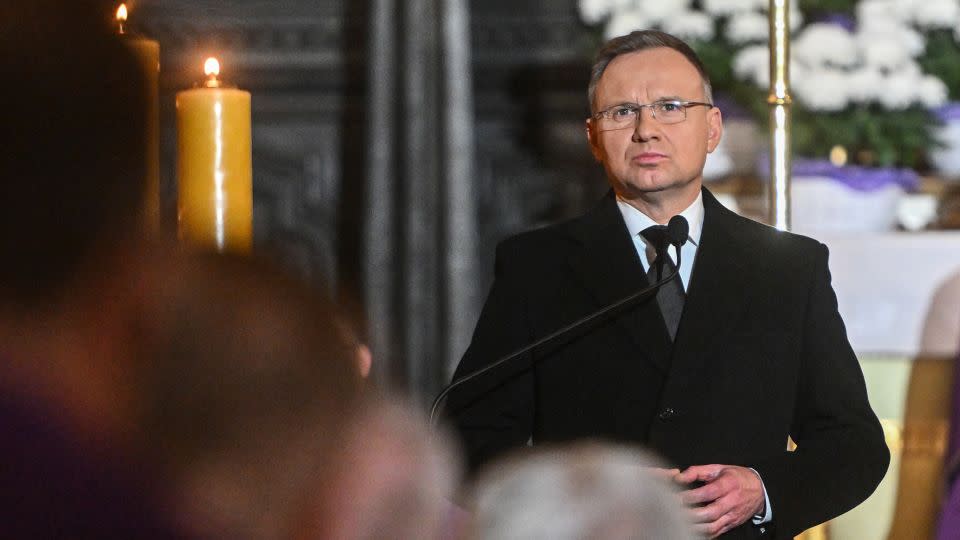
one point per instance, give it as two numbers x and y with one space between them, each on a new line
636 222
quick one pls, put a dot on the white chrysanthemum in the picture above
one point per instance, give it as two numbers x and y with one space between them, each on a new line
886 54
891 31
865 84
870 12
933 91
899 91
594 11
937 14
658 11
905 10
822 44
690 25
625 21
796 17
748 27
753 64
823 90
721 8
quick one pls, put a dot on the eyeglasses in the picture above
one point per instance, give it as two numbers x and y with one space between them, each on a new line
625 115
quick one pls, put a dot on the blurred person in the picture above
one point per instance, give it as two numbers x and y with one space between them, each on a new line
246 379
741 348
72 175
391 477
588 491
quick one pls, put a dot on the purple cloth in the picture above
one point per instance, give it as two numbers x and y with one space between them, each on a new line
730 108
853 176
840 19
948 112
949 528
51 487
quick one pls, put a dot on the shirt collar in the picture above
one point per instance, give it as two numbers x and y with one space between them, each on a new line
637 221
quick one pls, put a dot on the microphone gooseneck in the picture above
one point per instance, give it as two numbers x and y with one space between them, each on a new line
677 231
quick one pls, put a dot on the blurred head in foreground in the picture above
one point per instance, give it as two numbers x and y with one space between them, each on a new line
391 477
72 176
247 383
72 140
589 491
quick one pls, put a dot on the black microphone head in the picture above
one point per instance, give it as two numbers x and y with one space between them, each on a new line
677 230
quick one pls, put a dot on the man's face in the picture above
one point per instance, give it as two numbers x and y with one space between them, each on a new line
650 157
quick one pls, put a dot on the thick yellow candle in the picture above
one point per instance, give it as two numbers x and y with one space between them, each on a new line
215 173
148 53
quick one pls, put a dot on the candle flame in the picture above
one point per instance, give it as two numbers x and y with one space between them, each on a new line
122 13
211 67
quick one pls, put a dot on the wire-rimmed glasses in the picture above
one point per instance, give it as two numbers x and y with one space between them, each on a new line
624 115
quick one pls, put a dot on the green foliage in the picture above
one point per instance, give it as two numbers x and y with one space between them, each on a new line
825 7
871 135
942 59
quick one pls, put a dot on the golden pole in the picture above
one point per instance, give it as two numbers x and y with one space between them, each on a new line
780 101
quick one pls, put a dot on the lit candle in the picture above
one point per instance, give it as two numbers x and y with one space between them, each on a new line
215 199
148 53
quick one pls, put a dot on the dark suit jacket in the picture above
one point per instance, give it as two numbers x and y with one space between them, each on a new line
761 353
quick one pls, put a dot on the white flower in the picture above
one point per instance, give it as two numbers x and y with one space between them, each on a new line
933 91
899 91
796 17
594 11
822 44
905 10
753 64
625 21
823 89
873 11
690 25
658 11
885 54
865 84
748 27
721 8
891 31
937 14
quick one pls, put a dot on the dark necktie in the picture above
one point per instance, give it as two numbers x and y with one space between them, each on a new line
670 297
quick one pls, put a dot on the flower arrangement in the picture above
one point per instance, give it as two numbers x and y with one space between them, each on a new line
864 75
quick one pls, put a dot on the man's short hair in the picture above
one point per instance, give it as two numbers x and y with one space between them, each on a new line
641 40
72 144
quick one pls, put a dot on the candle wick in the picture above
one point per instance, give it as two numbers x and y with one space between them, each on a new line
120 24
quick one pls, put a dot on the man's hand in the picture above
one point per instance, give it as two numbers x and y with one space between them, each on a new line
730 496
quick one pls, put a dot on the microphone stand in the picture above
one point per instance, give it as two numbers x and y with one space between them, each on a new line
620 304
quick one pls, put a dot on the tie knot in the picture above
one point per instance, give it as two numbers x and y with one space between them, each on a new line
657 236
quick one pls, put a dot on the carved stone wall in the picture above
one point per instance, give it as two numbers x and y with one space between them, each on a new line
305 62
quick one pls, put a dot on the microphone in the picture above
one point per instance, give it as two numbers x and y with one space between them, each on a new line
677 232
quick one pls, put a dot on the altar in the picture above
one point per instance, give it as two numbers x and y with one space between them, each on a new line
899 295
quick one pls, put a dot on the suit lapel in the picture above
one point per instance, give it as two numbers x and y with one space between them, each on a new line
608 266
718 291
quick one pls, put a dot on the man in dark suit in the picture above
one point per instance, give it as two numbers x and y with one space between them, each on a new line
746 349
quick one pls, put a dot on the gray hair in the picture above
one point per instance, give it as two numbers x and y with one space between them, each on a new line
641 40
589 491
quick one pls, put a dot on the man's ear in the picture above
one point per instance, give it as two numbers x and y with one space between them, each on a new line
714 128
592 138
